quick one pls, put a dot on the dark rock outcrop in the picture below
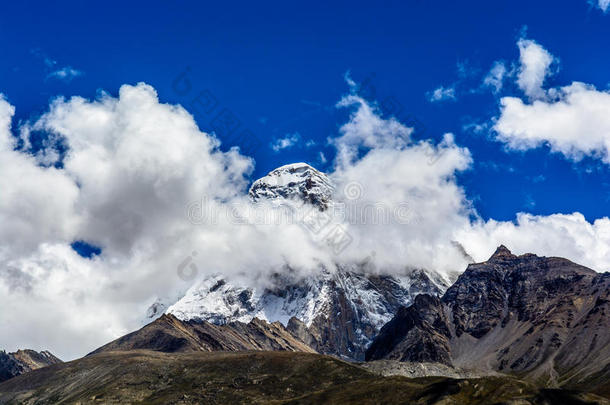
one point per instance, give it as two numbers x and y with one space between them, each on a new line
416 334
23 361
546 318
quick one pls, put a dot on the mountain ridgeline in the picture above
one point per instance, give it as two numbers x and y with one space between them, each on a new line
541 318
23 361
514 329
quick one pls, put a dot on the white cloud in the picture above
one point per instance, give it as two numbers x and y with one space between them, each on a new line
562 235
366 129
66 73
573 120
286 143
37 203
441 94
535 67
495 77
576 122
54 71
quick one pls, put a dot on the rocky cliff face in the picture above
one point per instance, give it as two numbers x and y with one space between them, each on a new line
22 361
333 312
541 317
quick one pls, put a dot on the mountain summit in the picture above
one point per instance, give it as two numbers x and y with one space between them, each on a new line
502 253
297 181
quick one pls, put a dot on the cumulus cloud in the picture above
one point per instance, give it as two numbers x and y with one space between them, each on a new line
411 183
535 66
37 203
286 143
133 167
572 120
441 94
576 122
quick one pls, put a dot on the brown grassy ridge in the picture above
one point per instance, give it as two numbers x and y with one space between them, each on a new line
146 377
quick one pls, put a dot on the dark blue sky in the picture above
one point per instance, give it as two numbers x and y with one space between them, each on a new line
278 67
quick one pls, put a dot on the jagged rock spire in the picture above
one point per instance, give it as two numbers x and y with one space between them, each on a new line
502 252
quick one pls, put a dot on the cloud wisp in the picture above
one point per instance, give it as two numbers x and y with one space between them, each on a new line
54 70
286 142
441 94
66 74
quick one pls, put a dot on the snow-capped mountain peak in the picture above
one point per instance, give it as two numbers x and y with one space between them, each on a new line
297 181
335 312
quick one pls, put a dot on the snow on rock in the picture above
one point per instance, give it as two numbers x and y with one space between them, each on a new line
297 181
347 306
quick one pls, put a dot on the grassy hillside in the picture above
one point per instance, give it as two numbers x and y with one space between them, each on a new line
146 377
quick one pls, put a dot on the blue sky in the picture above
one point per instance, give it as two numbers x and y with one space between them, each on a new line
279 69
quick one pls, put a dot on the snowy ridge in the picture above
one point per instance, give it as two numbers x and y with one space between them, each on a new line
369 302
217 301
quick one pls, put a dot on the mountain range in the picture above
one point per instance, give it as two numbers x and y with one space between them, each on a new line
513 329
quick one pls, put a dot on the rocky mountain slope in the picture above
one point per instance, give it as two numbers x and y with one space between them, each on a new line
542 318
335 312
23 361
256 378
169 334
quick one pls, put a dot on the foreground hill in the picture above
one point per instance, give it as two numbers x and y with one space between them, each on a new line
544 319
255 378
22 361
169 334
